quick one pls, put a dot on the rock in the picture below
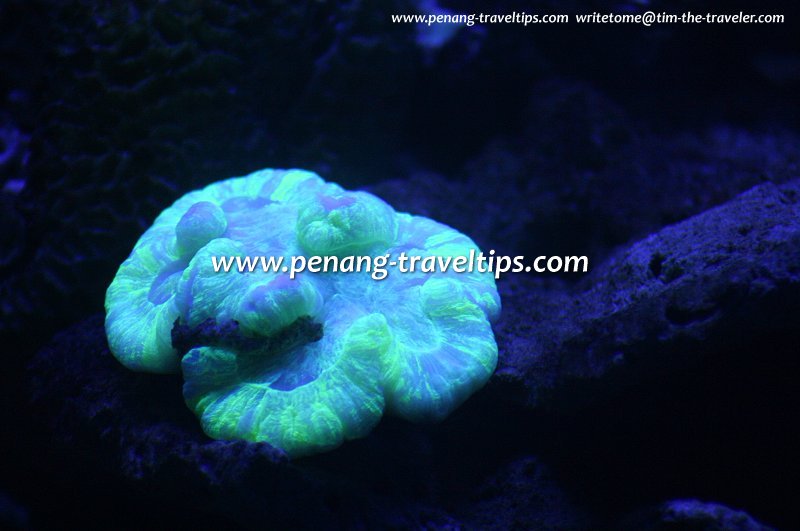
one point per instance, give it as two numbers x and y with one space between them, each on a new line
523 495
598 386
147 444
693 515
734 266
12 515
671 368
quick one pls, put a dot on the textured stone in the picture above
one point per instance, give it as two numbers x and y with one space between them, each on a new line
693 515
598 385
737 265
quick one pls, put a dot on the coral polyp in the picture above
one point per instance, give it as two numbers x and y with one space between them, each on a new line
302 361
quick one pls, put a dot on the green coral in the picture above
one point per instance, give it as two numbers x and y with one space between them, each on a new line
414 344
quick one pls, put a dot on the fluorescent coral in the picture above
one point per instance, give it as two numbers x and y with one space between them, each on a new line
308 362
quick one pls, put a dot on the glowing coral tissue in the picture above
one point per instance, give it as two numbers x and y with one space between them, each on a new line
309 362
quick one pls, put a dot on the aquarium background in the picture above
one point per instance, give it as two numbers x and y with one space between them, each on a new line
658 391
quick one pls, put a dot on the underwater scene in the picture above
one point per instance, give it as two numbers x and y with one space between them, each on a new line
403 264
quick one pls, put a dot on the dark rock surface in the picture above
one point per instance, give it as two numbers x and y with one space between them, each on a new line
12 515
545 200
671 367
144 435
695 515
731 268
523 495
597 384
143 439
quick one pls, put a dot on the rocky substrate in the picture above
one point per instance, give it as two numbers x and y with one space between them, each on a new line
649 394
